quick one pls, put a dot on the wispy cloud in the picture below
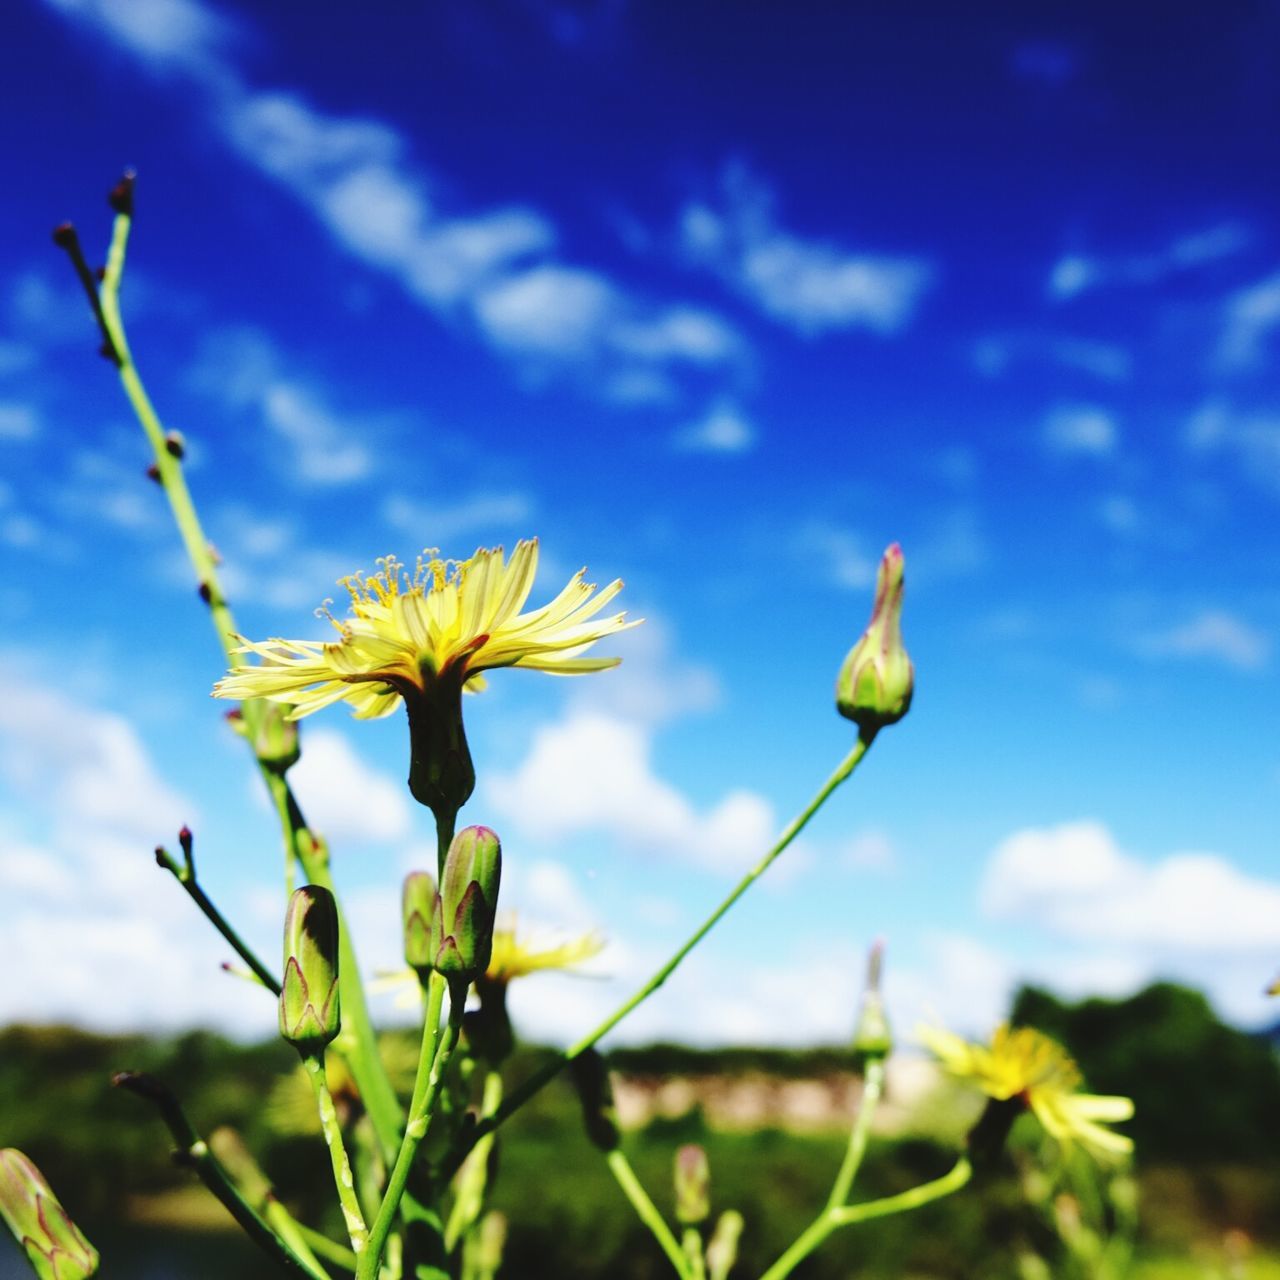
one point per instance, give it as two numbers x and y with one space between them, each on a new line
1214 634
1076 273
244 369
486 514
722 429
1081 429
1252 441
996 354
1251 316
18 422
808 284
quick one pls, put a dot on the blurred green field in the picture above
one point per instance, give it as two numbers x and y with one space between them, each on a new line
1208 1098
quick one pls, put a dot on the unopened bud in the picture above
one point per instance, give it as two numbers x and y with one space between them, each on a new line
120 197
153 473
693 1185
722 1248
462 923
275 738
64 235
53 1243
872 1036
490 1241
309 1011
418 902
877 680
590 1078
175 444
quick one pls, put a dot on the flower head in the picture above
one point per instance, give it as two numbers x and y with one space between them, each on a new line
515 957
877 679
450 620
1022 1064
421 639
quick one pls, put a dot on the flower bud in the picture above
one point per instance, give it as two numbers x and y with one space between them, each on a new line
465 907
693 1185
590 1078
418 906
877 679
722 1249
52 1242
872 1037
309 1014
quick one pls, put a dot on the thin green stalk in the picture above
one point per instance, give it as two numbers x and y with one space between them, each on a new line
525 1091
193 1151
342 1178
185 876
329 1250
415 1132
832 1219
475 1175
647 1211
290 1230
872 1087
367 1068
430 1039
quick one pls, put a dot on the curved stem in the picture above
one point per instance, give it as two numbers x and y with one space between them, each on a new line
832 1219
342 1179
415 1132
871 1090
525 1091
647 1211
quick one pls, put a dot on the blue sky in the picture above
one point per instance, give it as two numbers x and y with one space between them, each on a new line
721 309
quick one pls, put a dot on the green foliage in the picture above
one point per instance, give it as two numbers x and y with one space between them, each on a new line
1202 1091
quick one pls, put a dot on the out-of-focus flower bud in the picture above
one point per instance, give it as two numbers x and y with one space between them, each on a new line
462 924
419 905
52 1242
309 1011
231 1153
872 1037
693 1185
877 679
486 1245
590 1078
722 1249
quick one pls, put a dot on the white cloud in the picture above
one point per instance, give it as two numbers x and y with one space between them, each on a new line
548 311
1075 880
724 429
1075 273
1251 440
993 355
1215 634
1081 429
18 422
344 796
810 285
179 34
839 554
593 772
244 368
869 851
480 514
1250 317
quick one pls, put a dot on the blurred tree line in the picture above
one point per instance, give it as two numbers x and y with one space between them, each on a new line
1207 1129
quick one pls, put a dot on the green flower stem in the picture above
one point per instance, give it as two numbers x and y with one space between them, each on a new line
366 1066
193 1151
525 1091
647 1211
430 1040
329 1250
415 1132
847 1215
692 1243
186 877
872 1088
470 1196
342 1178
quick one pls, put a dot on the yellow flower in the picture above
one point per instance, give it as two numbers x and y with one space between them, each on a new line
452 620
421 640
1025 1065
514 957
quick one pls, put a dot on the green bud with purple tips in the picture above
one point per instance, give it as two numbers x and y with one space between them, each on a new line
309 1010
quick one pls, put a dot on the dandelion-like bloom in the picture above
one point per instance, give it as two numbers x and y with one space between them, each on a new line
1023 1065
421 639
515 957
